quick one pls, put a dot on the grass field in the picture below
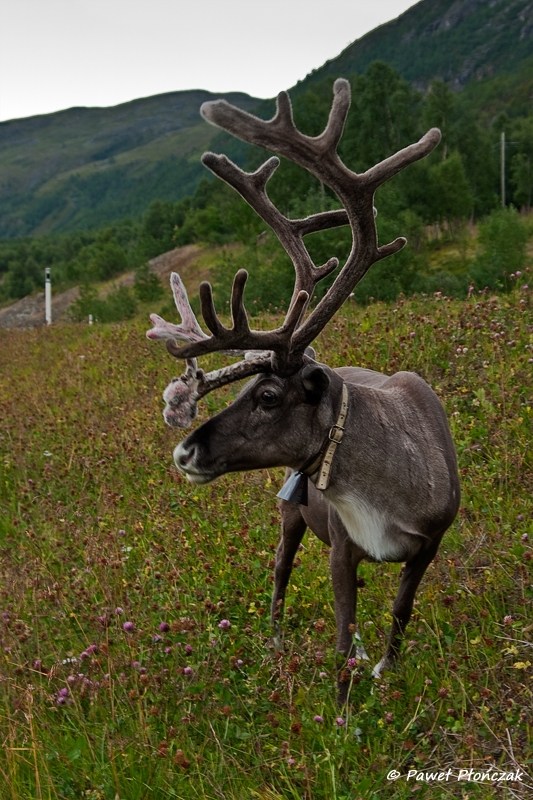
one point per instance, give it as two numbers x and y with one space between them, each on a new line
134 618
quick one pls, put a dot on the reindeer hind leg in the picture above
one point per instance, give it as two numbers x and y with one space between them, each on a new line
413 573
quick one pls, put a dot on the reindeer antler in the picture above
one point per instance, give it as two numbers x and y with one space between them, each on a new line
182 394
356 192
284 347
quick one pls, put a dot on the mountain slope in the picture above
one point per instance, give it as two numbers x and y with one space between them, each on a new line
455 41
83 166
86 167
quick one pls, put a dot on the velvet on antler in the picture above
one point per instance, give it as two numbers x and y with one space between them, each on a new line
282 348
183 393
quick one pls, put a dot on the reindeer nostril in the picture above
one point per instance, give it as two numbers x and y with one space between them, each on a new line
184 456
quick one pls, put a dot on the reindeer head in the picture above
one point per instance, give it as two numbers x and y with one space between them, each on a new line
293 392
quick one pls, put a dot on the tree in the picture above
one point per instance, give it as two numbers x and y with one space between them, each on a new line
478 155
439 105
451 196
22 278
146 285
522 162
502 240
385 116
107 261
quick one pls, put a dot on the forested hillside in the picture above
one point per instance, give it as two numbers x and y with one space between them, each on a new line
84 167
126 210
458 42
432 203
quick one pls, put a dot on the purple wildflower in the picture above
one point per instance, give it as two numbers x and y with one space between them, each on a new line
187 671
340 722
318 718
224 624
164 627
128 627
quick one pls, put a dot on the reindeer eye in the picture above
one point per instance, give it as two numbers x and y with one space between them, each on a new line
268 398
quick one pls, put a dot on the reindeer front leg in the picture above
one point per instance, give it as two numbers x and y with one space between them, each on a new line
344 560
292 531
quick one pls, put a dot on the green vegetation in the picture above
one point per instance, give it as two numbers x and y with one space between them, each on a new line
86 167
83 168
485 47
433 203
121 678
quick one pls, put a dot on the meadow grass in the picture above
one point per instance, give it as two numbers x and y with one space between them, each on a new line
121 677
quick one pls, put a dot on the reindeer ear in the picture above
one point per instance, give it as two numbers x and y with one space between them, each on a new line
315 380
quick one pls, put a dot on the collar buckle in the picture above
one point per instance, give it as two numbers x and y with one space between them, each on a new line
336 433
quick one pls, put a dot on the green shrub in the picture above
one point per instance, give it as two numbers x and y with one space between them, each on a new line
119 305
146 285
502 240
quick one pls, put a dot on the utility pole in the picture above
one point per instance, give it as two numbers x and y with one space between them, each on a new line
502 164
47 297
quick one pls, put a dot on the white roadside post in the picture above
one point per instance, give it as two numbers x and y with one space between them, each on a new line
47 296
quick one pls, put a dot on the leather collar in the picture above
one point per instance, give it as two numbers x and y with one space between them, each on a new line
323 461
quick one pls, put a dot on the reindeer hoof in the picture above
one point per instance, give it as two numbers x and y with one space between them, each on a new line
360 652
384 665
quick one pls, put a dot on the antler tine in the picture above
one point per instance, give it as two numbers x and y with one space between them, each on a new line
239 338
381 172
189 330
252 187
281 135
342 99
241 330
318 155
238 312
208 311
183 393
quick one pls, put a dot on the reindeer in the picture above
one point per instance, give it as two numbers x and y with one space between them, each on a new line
371 466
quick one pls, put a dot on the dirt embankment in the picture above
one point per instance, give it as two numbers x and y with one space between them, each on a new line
29 312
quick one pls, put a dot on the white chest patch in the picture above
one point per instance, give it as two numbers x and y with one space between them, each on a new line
367 527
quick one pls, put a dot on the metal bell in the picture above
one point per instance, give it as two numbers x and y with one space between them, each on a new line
294 490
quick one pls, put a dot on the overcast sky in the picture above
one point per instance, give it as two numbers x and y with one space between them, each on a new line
55 54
